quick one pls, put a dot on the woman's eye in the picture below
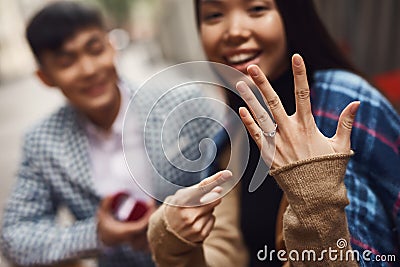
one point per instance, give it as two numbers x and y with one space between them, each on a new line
212 16
258 9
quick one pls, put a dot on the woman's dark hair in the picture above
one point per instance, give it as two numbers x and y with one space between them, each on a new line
58 22
306 35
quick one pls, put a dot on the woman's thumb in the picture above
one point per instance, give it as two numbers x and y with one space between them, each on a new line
345 124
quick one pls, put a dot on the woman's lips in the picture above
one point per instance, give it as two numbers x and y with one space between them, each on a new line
241 61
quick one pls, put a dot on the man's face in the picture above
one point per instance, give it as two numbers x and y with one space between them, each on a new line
83 68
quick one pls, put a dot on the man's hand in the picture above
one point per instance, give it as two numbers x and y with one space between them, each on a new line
113 232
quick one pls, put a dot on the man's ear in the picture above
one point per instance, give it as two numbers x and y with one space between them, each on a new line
44 78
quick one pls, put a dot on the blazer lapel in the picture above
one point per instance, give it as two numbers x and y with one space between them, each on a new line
150 119
77 154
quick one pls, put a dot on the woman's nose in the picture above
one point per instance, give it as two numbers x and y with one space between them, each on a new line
237 30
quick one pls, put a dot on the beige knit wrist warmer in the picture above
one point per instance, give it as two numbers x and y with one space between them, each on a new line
315 218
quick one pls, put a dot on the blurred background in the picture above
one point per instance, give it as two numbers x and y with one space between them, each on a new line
153 34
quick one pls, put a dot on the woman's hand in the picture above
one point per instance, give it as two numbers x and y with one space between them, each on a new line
297 136
194 223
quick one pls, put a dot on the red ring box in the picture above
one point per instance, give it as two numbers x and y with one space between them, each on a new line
126 209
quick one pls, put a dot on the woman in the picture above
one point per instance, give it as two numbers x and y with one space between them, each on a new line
240 33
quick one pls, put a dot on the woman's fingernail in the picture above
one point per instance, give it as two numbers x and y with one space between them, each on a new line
242 112
297 60
210 197
218 189
354 108
226 174
241 86
252 70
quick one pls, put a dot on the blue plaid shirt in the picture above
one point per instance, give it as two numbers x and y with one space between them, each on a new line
373 173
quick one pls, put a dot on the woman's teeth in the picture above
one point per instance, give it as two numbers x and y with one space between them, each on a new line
240 58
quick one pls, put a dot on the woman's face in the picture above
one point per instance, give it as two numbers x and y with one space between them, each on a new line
243 32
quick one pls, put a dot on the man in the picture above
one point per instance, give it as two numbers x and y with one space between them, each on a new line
74 158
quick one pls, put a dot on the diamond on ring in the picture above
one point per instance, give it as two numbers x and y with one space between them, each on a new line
271 133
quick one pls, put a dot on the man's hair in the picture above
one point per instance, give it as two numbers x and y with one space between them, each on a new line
52 26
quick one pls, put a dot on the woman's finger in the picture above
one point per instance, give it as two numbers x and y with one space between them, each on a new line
208 228
302 90
210 197
273 101
261 115
200 228
251 126
211 182
192 196
345 124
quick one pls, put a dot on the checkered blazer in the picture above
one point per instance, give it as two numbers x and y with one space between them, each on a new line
55 171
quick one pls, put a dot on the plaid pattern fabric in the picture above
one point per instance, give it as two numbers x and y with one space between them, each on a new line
373 174
170 118
55 171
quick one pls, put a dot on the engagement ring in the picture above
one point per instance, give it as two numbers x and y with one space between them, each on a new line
271 133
